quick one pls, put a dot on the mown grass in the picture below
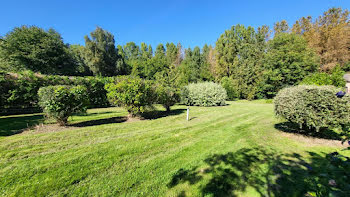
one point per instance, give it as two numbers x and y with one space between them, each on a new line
234 150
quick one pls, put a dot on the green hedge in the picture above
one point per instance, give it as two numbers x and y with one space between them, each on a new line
203 94
18 92
313 107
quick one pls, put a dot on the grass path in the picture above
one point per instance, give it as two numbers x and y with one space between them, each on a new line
222 151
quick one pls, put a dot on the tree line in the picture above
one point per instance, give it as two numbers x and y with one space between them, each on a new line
249 62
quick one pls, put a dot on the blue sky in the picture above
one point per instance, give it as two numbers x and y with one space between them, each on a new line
190 22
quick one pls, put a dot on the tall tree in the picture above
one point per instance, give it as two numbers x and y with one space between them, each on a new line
239 55
205 73
33 48
146 51
160 51
287 62
329 35
101 54
132 51
156 64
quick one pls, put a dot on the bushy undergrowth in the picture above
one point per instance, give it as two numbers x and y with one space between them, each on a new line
313 107
203 94
60 102
335 78
133 93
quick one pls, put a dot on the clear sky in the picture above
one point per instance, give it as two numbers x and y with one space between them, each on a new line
190 22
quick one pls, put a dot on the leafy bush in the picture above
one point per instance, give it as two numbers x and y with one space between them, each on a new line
60 102
95 88
334 78
314 107
167 96
133 93
167 92
204 94
229 86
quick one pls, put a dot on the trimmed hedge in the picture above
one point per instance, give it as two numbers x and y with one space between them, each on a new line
18 92
314 107
203 94
60 102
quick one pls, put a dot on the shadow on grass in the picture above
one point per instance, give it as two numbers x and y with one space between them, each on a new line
14 125
95 113
289 127
155 114
268 172
118 119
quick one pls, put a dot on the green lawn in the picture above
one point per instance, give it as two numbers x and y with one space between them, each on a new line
233 150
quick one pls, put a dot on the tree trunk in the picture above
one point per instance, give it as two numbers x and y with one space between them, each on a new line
167 108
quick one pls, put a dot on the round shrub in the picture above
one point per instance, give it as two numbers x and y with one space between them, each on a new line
314 107
167 96
203 94
60 102
133 93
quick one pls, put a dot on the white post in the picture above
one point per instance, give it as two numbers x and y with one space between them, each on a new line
188 113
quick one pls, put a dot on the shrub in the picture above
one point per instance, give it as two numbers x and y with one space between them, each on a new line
133 93
314 107
167 96
60 102
95 88
334 78
204 94
229 86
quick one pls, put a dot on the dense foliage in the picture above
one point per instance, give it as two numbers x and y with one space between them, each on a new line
287 62
19 91
133 93
32 48
60 102
203 94
240 52
229 85
335 78
313 107
101 55
328 35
